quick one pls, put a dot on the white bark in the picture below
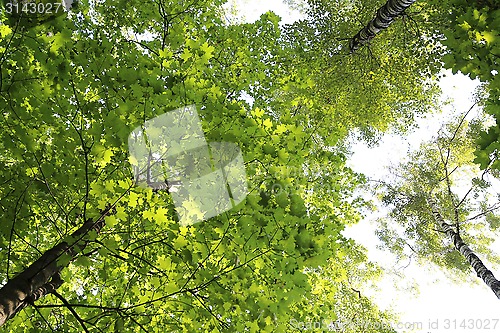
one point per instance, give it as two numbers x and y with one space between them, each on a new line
482 271
385 16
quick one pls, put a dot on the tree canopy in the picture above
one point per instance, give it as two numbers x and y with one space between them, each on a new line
82 248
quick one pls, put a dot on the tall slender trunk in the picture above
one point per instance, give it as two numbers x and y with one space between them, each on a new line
385 15
43 276
482 271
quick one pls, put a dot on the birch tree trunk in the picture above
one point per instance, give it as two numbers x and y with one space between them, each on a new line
43 276
385 15
482 271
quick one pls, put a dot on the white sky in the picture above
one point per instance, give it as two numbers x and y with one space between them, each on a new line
439 299
250 11
441 306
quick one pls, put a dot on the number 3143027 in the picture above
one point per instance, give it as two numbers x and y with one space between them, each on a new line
476 324
33 7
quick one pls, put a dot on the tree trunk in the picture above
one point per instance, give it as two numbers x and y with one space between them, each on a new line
482 271
385 15
43 276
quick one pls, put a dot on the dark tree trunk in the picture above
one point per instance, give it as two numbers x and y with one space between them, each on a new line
43 276
385 15
482 271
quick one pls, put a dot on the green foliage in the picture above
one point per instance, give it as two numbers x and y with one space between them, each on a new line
439 169
74 87
365 90
474 49
337 300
